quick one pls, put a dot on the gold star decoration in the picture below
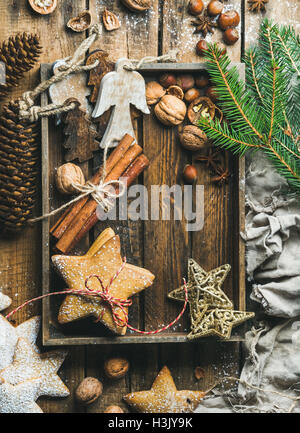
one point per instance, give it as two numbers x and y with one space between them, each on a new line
204 24
163 397
257 5
103 259
28 365
20 398
211 311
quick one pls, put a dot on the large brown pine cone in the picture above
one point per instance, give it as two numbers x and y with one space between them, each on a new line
19 55
18 168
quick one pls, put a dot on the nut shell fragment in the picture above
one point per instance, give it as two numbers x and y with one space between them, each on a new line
137 5
175 91
80 23
43 7
200 108
110 20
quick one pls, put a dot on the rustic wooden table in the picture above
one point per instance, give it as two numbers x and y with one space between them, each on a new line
164 27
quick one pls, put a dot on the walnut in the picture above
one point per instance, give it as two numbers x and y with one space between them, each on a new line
137 5
43 7
201 107
113 409
80 23
89 390
154 91
192 138
170 110
116 368
110 20
66 176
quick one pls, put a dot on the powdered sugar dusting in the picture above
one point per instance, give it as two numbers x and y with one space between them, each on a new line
20 398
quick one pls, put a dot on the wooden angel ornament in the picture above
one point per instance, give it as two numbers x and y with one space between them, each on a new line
119 89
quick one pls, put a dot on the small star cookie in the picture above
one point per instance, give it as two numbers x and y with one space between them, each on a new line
10 334
163 397
104 260
5 301
28 364
20 398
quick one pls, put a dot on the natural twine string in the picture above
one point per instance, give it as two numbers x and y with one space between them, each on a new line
171 56
74 64
112 301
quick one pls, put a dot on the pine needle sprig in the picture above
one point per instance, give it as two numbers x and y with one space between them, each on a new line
259 113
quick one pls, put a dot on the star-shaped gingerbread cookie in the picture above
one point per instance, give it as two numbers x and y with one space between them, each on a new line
104 260
28 365
163 397
10 334
20 398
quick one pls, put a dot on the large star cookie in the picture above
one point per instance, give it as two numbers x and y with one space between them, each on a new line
103 259
163 397
5 301
20 398
28 364
10 334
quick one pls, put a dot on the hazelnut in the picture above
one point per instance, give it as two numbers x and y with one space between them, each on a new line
116 368
195 7
201 47
170 110
189 173
88 391
202 80
214 8
211 93
229 19
199 373
167 80
191 94
175 91
186 82
113 409
231 36
222 48
66 176
192 138
154 91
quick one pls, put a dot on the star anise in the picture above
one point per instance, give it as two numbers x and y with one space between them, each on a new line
204 24
257 5
222 177
211 159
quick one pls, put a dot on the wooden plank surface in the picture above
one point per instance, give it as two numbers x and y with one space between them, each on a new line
20 261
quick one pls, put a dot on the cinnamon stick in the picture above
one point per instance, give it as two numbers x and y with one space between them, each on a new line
90 206
130 174
115 157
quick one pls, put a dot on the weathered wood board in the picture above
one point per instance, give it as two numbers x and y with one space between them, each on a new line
220 241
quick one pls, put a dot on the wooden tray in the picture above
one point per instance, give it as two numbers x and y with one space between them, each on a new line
163 247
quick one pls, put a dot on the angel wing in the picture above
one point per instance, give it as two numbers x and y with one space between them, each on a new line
105 98
138 96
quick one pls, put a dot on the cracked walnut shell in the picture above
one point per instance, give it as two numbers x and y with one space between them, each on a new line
137 5
170 110
154 92
110 20
80 23
116 368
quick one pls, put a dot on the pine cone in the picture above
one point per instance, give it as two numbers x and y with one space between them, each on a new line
18 168
19 54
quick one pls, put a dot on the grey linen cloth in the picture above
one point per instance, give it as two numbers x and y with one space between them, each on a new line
272 349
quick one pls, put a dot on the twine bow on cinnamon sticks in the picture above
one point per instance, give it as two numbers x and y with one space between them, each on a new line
127 162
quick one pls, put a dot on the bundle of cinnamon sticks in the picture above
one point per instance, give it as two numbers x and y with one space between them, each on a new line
126 161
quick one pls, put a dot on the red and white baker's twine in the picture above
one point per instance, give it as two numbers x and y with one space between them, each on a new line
111 300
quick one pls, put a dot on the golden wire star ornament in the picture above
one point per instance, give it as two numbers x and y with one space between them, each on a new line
163 397
211 311
104 260
204 290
